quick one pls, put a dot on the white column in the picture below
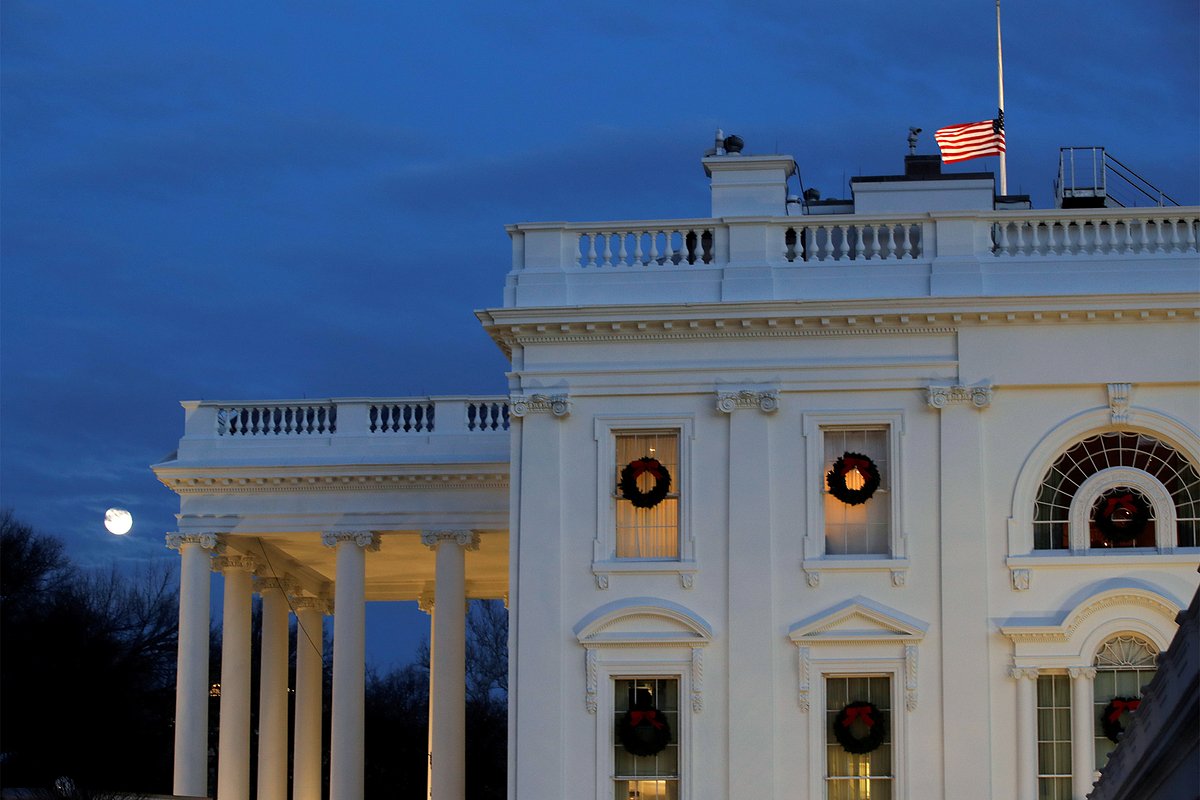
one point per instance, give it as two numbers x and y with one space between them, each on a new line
1083 746
233 750
1027 787
191 681
273 692
346 752
448 667
306 753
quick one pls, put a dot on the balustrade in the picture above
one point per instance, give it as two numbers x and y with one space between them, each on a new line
645 247
1100 234
277 420
854 241
399 417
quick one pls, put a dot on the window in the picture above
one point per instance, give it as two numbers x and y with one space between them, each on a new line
647 533
1054 737
1124 665
851 776
861 529
1143 464
648 777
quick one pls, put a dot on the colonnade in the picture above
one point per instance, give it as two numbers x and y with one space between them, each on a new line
200 553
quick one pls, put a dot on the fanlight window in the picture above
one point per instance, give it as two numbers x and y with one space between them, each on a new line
1124 665
1116 449
1126 652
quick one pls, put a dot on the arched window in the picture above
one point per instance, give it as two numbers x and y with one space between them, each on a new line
1121 512
1124 665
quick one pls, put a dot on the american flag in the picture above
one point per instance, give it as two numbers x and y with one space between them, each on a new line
971 140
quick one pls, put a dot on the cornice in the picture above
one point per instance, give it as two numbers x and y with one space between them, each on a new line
227 484
789 319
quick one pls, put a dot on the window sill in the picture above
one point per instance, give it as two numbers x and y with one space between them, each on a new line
685 570
1021 567
813 567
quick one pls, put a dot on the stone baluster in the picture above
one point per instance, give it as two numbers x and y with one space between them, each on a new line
607 248
591 251
637 249
843 251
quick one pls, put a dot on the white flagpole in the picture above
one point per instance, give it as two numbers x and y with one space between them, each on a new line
1000 74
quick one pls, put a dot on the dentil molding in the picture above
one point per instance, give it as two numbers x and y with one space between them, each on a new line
956 394
522 405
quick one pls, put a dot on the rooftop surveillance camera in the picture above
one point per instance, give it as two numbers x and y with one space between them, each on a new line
734 144
912 140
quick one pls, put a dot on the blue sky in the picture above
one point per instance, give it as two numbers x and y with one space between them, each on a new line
255 200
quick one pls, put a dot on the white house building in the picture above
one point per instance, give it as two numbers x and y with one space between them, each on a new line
889 499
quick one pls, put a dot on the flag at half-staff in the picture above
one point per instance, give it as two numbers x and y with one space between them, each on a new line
971 139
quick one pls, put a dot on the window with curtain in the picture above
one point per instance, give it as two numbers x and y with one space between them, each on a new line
648 533
857 776
1054 737
862 529
651 777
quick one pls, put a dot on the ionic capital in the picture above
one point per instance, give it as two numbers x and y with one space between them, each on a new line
368 540
1023 672
425 601
466 539
1081 672
207 541
235 561
306 602
765 401
522 405
956 394
274 583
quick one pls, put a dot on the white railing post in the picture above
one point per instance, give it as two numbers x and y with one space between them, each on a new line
353 417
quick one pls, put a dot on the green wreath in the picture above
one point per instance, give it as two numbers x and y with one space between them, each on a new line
629 482
1114 712
1121 515
644 731
847 463
860 727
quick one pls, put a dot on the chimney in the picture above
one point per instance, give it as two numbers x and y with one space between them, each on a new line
921 166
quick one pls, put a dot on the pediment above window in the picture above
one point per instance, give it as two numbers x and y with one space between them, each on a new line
858 620
643 621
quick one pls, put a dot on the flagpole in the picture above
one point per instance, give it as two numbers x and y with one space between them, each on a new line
1000 75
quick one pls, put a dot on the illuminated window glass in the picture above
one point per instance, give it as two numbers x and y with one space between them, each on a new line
1124 665
648 533
857 776
1054 737
653 777
862 529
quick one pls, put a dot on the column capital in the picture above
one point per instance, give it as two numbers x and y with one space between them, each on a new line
943 396
235 561
176 541
466 539
306 602
1081 672
766 401
368 540
522 405
426 600
283 583
1023 672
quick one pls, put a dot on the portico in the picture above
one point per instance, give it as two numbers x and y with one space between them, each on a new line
320 522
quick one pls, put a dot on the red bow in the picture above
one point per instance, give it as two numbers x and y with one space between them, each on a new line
1124 501
862 713
854 462
651 465
1119 707
651 716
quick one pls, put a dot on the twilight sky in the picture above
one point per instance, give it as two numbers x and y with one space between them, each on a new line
229 200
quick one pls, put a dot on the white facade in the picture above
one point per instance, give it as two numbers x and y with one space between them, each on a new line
965 351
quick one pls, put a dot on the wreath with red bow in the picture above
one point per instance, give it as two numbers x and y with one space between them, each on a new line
1114 712
1121 515
860 727
847 463
636 469
644 731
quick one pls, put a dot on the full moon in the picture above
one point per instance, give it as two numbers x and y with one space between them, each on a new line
118 521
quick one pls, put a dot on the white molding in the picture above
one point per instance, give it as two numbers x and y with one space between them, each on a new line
814 423
1100 482
730 400
941 396
558 405
1119 395
856 621
222 482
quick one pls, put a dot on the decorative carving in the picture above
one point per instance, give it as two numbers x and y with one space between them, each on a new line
765 401
804 659
942 396
899 578
593 683
813 577
425 601
365 539
601 580
304 602
1021 579
1118 402
557 404
687 580
1081 672
176 541
1024 672
236 561
466 539
910 676
284 584
697 680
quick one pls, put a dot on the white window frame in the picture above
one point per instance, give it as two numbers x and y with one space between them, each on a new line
816 560
605 728
604 546
1080 513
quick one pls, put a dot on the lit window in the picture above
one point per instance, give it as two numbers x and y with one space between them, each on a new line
1124 665
1116 524
1054 737
850 776
647 527
858 528
656 702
